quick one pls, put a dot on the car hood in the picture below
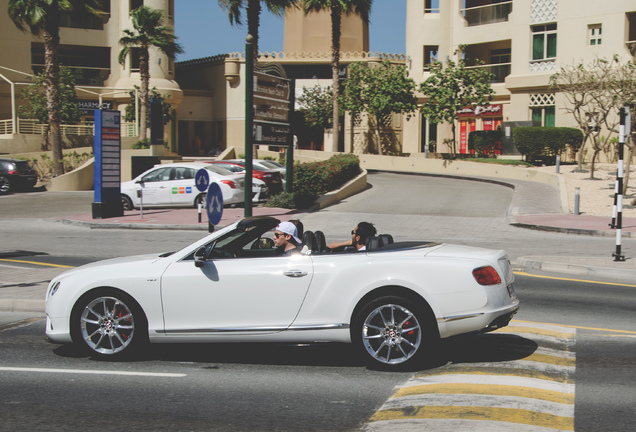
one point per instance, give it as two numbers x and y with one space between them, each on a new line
112 262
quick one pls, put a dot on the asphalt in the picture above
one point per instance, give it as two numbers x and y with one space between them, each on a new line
533 206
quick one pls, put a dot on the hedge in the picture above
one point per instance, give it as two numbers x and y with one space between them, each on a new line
539 143
314 179
484 142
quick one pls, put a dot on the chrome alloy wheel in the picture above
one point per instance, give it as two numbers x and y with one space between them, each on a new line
391 334
107 325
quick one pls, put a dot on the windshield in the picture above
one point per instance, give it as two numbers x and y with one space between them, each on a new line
217 169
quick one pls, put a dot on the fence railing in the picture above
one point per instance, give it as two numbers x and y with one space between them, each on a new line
498 71
33 127
488 14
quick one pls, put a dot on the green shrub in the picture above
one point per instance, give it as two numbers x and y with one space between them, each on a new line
484 142
141 144
314 179
540 144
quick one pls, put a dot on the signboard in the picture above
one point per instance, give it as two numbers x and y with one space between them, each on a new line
272 105
214 201
489 110
202 179
107 172
88 107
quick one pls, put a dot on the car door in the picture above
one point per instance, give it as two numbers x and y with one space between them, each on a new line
155 187
234 296
182 187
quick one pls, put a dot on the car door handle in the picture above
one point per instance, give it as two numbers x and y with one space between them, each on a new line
295 273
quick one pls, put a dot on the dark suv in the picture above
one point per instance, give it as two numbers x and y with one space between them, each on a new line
16 174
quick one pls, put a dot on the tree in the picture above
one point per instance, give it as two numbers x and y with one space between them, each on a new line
337 8
451 88
148 32
41 18
595 93
379 90
316 105
253 12
35 95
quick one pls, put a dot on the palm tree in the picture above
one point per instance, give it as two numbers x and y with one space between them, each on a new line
41 18
148 32
253 11
337 8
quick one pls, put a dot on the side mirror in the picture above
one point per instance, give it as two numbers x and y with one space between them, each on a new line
266 243
199 257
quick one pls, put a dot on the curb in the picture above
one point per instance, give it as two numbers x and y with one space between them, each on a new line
578 231
529 263
13 305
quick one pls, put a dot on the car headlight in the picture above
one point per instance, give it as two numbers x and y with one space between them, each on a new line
54 288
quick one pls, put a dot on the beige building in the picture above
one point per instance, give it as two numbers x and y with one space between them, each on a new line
212 115
92 54
522 42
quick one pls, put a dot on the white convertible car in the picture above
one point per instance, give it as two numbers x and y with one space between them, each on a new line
393 301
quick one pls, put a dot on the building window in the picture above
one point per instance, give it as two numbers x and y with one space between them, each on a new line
595 31
429 136
542 109
90 65
431 6
134 59
544 41
431 53
134 4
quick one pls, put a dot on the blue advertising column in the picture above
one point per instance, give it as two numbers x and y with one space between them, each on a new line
107 172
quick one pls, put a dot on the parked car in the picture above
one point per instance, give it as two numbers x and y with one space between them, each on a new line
16 174
263 164
174 185
273 179
394 301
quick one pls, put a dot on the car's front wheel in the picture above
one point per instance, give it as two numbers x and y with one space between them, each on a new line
5 185
109 324
394 332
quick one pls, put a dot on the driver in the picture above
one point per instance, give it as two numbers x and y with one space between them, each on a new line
286 239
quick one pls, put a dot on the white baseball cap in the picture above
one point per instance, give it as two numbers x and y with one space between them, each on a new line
289 228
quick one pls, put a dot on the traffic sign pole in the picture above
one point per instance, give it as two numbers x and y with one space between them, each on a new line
249 120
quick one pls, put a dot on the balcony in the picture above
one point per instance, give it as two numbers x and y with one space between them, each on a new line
498 72
489 14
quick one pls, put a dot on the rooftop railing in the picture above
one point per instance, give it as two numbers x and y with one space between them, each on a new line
33 127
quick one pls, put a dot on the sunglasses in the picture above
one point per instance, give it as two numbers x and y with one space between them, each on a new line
279 234
353 232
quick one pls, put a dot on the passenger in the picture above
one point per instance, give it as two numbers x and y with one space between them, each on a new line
286 239
359 237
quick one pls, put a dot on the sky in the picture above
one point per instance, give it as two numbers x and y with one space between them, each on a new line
204 30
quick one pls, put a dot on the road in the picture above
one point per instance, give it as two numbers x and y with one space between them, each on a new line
270 388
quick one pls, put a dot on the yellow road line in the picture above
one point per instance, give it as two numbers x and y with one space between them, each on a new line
487 389
509 415
520 273
578 327
535 330
36 263
498 371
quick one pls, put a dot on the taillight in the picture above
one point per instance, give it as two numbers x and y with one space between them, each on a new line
230 183
486 276
14 172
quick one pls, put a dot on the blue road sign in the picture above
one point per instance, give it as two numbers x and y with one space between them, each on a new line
214 202
202 179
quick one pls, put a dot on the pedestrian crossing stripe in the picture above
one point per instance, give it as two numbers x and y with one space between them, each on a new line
507 415
526 382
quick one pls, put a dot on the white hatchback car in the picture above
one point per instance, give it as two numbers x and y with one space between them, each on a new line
173 185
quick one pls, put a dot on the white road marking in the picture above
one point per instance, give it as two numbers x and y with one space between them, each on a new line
92 372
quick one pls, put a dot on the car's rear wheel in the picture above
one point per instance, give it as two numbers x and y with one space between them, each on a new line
109 324
126 202
393 332
200 199
5 185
